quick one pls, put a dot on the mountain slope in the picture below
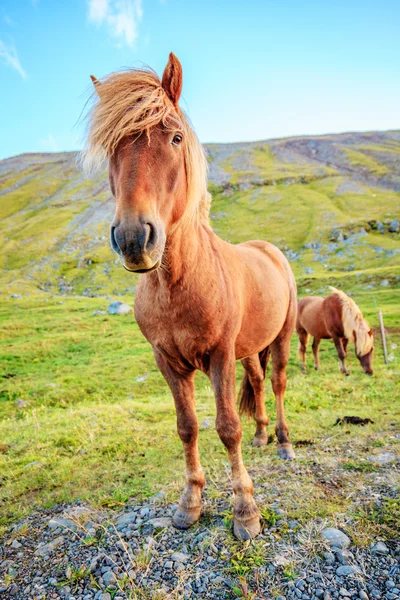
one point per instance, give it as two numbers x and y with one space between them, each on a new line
329 202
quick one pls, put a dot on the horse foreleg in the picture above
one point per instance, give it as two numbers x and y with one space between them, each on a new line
246 517
340 348
315 349
256 376
280 350
303 340
182 388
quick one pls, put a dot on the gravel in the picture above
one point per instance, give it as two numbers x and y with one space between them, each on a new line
139 551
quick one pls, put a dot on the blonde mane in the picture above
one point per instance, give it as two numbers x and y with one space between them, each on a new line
354 321
133 102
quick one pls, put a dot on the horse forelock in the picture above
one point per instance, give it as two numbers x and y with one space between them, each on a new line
131 103
353 321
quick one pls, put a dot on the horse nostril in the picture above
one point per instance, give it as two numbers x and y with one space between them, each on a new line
113 239
151 237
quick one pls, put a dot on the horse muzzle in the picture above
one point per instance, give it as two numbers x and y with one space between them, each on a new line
139 245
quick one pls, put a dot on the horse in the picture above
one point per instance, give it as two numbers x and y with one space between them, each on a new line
201 302
336 317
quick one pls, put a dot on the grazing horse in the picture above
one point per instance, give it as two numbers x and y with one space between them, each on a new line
201 302
336 317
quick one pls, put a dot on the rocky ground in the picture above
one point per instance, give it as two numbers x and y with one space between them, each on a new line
77 552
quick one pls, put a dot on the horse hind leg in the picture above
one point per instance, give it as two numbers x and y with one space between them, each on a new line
246 517
280 351
251 395
303 341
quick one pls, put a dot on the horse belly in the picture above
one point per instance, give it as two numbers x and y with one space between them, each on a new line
312 319
263 320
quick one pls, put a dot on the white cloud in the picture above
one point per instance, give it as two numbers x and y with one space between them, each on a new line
49 144
121 17
8 54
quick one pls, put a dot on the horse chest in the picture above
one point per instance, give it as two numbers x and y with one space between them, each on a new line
187 328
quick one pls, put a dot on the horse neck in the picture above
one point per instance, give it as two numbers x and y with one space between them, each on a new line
183 253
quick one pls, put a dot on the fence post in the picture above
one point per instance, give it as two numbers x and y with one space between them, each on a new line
383 336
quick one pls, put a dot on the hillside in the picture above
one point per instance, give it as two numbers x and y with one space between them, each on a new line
330 202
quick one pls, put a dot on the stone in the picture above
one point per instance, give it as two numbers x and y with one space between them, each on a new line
344 557
63 523
344 592
363 595
329 558
105 596
346 570
390 584
205 424
336 538
50 546
125 520
319 593
119 308
160 522
16 544
394 226
98 312
109 578
180 557
380 548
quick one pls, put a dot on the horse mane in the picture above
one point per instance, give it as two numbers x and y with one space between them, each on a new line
132 103
354 321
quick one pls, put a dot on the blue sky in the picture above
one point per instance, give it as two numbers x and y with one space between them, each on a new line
252 70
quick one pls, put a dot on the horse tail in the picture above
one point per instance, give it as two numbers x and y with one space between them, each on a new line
247 399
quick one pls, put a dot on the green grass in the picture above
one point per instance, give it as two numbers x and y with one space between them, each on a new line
89 428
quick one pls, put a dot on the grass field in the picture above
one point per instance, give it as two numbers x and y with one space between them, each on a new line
86 414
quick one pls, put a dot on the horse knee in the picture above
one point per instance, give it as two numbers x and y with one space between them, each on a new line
229 430
188 430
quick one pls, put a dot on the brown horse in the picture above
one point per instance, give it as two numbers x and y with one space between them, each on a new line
201 303
336 317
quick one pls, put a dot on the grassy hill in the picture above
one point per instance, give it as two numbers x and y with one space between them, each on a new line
85 412
327 201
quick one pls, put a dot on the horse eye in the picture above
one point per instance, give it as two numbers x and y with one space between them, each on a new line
177 140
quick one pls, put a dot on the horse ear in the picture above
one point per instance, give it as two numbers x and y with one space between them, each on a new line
172 79
96 83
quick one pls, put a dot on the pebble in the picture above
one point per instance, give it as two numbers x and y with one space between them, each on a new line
50 546
329 558
363 595
344 557
380 548
346 570
16 544
160 522
180 557
390 584
336 538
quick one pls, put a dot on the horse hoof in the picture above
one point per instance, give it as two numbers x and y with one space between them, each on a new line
246 530
185 518
260 440
286 452
304 369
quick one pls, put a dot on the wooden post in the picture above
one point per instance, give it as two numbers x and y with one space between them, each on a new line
383 336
